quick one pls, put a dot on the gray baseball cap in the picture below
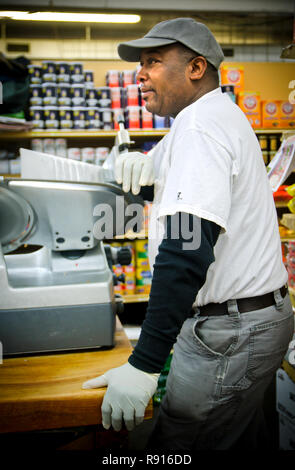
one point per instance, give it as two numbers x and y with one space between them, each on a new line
187 31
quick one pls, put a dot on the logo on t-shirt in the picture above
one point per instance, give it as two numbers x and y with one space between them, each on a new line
179 196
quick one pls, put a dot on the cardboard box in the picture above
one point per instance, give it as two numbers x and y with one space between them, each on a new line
250 103
286 433
287 115
232 75
270 110
285 395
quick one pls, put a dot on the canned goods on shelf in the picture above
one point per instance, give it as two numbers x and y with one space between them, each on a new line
36 114
78 94
35 73
49 91
51 117
74 153
66 117
64 94
36 95
79 117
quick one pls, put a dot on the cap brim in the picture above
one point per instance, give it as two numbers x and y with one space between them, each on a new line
131 50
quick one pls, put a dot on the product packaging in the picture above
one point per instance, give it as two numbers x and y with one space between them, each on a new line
232 75
270 114
250 103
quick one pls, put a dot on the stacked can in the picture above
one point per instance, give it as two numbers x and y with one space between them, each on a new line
62 96
126 100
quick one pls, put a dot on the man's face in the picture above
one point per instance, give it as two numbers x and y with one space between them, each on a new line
164 82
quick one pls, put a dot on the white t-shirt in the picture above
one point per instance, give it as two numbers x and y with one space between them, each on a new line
210 165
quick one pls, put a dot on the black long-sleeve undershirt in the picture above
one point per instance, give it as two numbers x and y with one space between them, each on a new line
178 276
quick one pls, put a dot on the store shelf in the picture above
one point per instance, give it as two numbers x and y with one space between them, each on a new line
128 299
102 134
78 134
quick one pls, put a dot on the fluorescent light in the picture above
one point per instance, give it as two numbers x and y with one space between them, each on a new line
72 17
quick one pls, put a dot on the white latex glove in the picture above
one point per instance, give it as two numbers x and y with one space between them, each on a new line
128 394
133 170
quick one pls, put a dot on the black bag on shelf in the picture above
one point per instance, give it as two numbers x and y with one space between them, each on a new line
15 81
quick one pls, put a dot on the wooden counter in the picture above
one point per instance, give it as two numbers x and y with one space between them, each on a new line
44 392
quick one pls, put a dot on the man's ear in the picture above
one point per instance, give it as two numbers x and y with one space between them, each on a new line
197 67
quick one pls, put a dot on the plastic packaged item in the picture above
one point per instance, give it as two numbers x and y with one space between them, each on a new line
36 95
74 153
291 205
66 117
132 117
78 94
35 73
48 71
79 117
51 117
291 189
64 94
161 389
49 92
37 117
61 148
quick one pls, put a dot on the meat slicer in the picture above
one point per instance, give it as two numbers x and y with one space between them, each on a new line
59 297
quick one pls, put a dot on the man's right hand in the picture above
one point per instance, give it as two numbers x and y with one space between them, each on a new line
133 170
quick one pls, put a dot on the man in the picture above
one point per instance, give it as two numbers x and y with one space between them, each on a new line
218 294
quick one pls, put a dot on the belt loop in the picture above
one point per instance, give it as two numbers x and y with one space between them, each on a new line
232 307
278 299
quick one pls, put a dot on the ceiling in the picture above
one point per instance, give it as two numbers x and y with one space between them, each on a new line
233 22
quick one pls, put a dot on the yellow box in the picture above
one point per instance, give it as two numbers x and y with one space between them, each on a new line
287 115
232 75
270 110
250 103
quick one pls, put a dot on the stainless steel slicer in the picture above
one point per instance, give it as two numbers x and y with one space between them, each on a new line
59 297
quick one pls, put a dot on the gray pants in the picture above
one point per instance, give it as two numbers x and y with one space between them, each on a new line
220 370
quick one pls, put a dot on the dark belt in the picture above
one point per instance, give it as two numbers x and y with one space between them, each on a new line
244 305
